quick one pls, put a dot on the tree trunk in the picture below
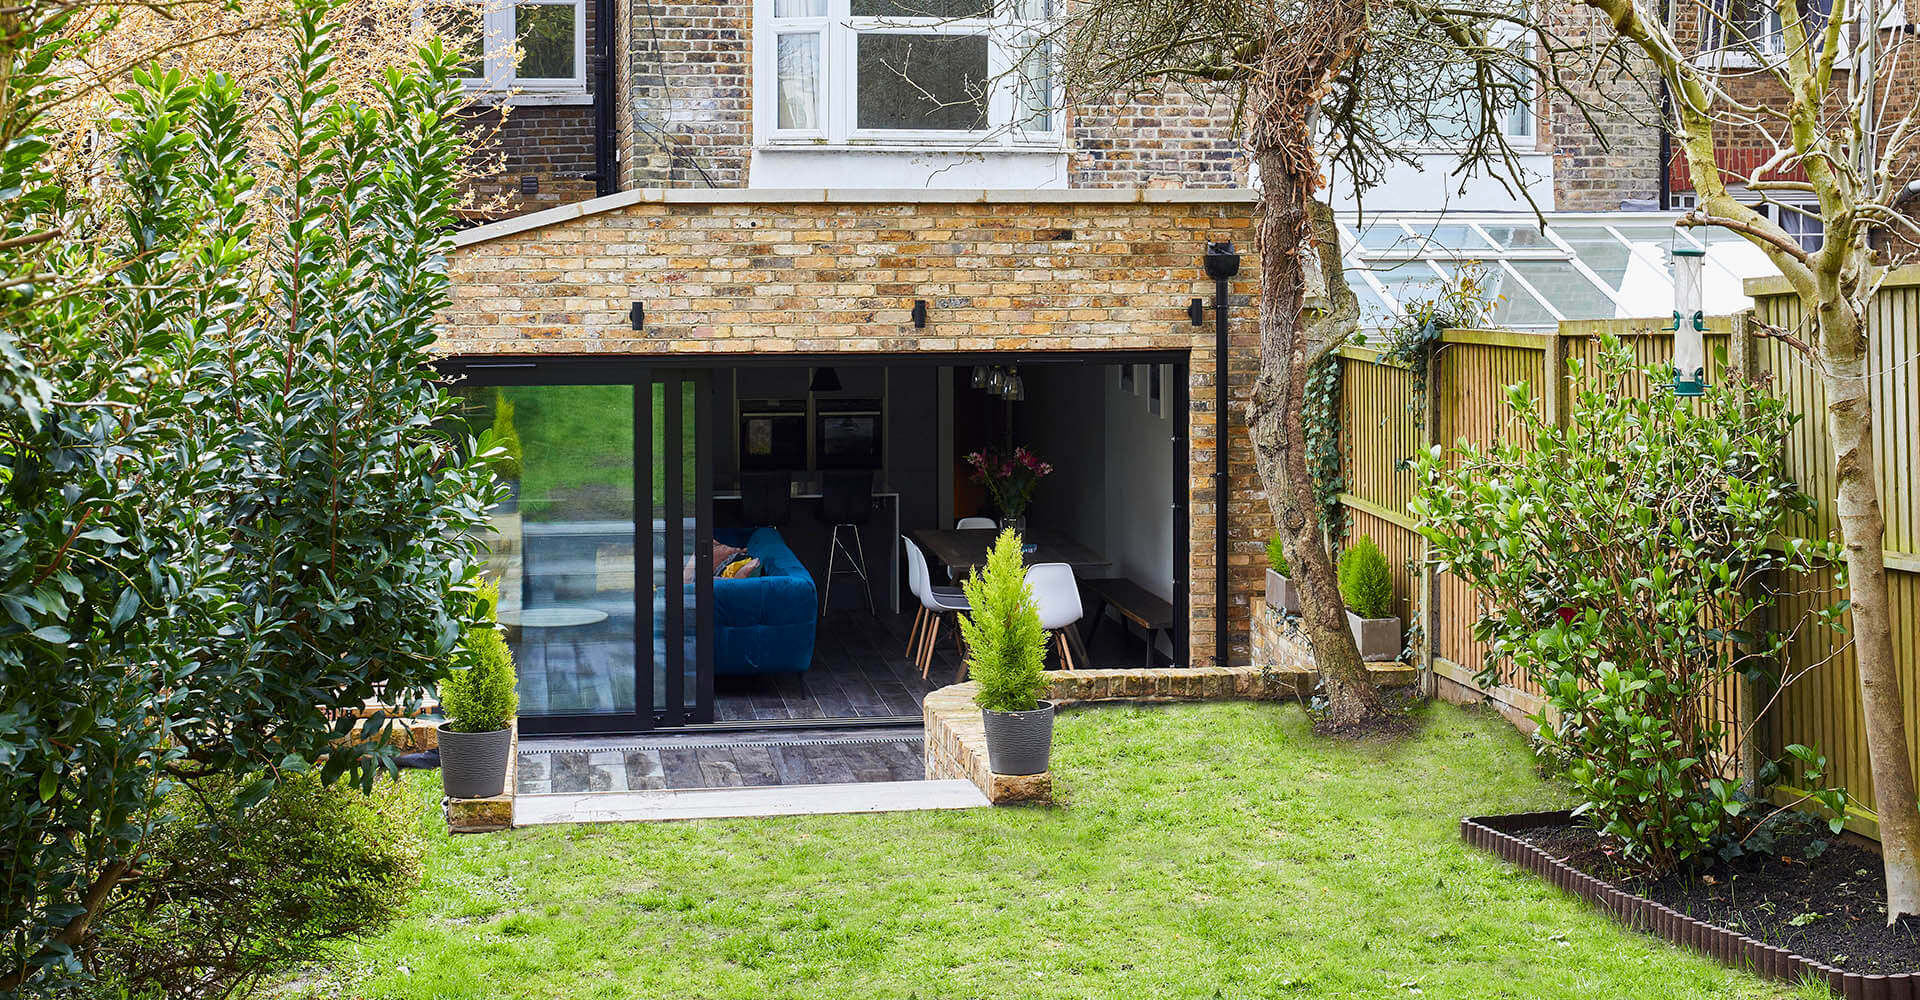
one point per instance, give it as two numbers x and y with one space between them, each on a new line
1278 427
1843 357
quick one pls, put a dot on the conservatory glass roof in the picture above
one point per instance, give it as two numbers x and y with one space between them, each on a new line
1598 265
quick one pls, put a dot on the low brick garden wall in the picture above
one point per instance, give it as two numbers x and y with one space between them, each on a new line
956 735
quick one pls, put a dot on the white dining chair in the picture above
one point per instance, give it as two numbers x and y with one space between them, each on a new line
971 524
936 603
1057 595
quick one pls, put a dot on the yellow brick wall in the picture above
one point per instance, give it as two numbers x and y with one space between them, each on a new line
736 272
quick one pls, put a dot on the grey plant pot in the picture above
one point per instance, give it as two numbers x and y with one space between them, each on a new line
1379 639
1019 742
474 765
1282 595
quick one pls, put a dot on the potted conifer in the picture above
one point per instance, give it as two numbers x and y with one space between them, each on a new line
1366 585
1282 596
479 702
1006 649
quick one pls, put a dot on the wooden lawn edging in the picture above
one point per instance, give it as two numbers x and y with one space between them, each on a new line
1491 834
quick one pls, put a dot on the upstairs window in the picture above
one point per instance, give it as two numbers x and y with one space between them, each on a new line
888 71
528 45
1745 32
1458 110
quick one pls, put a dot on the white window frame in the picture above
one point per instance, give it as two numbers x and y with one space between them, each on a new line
499 43
1779 207
839 32
1717 51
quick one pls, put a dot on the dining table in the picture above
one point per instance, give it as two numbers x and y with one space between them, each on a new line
962 549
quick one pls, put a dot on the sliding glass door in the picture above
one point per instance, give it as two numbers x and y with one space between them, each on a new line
599 548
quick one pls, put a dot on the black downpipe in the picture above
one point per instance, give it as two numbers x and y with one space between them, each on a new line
1222 263
605 169
1666 148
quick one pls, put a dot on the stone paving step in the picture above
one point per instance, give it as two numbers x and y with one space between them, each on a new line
716 803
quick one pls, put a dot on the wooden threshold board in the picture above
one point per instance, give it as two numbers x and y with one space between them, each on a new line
719 803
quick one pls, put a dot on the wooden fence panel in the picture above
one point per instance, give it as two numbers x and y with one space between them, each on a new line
1380 430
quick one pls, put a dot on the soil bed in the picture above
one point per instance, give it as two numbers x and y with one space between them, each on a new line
1830 908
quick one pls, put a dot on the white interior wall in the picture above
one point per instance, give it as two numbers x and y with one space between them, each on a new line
1139 495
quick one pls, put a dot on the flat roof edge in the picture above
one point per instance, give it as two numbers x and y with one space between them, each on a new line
849 196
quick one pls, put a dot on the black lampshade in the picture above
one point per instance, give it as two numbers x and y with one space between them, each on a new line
825 380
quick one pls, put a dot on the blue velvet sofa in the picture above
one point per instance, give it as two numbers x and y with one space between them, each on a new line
765 624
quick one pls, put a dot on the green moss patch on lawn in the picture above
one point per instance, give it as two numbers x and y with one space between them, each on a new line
1214 850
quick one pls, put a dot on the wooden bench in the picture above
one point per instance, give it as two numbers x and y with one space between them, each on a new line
1134 603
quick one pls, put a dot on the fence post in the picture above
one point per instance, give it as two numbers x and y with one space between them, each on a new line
1429 587
1743 361
1553 385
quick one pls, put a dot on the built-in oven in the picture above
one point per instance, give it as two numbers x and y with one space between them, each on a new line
773 435
847 434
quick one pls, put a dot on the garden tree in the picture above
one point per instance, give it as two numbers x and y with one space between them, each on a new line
229 516
1346 84
1842 137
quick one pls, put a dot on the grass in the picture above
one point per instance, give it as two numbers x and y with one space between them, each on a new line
1202 851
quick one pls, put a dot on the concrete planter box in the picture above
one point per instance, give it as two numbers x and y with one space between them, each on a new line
1378 638
1282 595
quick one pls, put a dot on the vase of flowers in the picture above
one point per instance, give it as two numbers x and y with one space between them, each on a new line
1010 480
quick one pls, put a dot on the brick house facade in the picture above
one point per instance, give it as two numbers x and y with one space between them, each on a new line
724 245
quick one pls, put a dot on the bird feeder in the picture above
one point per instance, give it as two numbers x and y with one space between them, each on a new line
1689 323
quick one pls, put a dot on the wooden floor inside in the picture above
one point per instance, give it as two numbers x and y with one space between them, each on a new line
861 671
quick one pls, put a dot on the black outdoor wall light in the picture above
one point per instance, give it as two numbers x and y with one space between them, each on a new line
1197 312
638 314
920 313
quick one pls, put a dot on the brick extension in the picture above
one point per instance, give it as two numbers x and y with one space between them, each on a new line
796 272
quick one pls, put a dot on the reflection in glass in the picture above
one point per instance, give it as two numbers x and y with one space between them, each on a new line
935 82
797 65
561 545
1036 88
945 10
545 34
672 449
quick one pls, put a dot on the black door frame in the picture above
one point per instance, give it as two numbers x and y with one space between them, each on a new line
643 370
676 380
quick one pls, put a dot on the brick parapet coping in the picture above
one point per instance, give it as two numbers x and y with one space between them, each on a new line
956 736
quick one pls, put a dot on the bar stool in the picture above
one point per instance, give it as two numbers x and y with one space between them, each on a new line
846 501
766 498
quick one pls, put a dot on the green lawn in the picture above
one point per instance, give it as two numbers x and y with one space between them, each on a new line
1201 851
